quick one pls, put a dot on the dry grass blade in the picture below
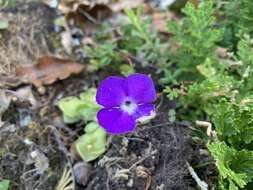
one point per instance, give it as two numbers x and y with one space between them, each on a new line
67 181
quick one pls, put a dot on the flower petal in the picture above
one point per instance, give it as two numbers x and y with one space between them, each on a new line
111 92
144 110
115 121
141 88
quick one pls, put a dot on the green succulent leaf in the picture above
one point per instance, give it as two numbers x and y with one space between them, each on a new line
196 37
4 184
71 106
92 144
82 108
91 127
4 24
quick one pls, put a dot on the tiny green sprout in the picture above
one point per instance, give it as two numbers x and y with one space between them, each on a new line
126 69
83 107
7 3
4 24
4 184
93 143
206 69
70 107
59 21
171 93
172 115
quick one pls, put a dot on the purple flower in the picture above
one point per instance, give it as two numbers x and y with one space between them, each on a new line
126 101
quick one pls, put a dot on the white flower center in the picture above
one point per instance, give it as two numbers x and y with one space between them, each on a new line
129 106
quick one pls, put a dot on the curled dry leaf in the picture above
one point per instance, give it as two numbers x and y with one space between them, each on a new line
161 17
48 70
40 160
159 20
222 52
24 94
68 6
122 4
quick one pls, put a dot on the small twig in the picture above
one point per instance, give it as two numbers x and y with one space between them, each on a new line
160 103
89 17
202 184
210 133
206 124
124 172
148 183
102 162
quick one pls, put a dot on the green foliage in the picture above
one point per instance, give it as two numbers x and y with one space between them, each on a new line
7 3
103 55
242 20
245 50
238 19
225 94
83 107
134 42
219 88
197 37
142 40
93 143
137 29
234 123
4 184
245 58
206 92
171 93
106 53
235 167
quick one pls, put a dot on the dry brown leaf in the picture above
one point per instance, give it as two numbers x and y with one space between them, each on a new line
24 94
122 4
195 2
222 52
48 70
159 20
68 6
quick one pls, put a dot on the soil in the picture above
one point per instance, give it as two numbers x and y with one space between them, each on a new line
154 157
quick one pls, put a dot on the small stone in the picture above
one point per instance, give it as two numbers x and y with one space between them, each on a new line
160 187
141 171
42 90
123 151
81 173
125 142
130 183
